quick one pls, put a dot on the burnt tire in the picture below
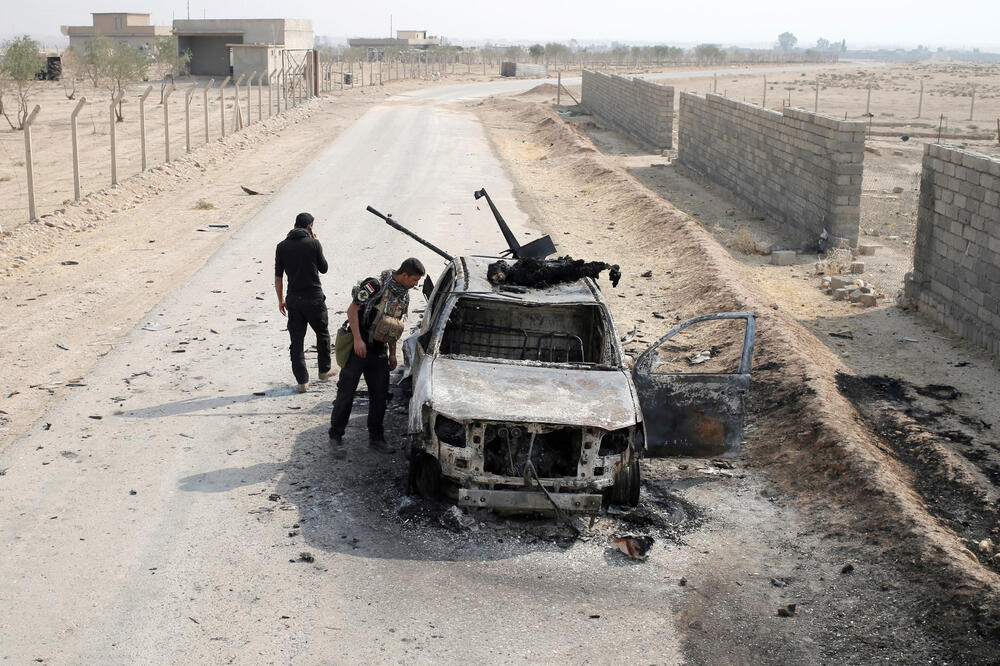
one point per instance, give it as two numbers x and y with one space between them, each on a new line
625 490
425 475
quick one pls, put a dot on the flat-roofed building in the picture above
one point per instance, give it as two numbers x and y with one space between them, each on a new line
129 27
405 40
231 47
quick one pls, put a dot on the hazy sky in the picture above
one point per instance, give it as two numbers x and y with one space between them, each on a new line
957 23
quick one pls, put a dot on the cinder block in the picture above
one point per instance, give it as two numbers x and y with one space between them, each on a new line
868 248
857 267
783 257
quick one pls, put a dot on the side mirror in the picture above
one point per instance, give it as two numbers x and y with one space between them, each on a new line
428 287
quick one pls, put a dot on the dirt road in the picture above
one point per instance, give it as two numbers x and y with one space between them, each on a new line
181 508
159 513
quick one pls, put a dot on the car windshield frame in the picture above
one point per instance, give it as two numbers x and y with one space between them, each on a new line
612 351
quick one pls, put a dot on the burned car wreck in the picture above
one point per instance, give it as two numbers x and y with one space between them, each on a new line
524 400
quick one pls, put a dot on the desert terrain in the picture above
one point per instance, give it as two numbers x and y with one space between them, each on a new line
859 496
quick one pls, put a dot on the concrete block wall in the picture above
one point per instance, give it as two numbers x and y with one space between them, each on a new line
803 170
956 255
641 109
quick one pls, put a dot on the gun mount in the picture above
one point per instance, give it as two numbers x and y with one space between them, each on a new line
536 249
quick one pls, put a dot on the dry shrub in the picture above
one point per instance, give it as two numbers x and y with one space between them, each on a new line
204 205
837 261
743 240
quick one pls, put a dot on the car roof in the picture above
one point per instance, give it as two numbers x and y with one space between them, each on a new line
472 271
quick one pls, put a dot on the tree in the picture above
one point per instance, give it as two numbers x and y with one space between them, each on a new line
787 41
74 68
22 60
822 44
169 62
125 64
514 53
4 83
707 53
536 51
556 52
96 58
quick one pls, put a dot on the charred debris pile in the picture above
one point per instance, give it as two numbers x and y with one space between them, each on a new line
541 273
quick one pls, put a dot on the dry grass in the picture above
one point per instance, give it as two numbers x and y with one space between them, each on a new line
204 205
837 262
743 240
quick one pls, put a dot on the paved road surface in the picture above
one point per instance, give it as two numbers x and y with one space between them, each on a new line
135 519
506 87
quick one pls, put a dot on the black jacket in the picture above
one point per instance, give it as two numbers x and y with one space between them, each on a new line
301 256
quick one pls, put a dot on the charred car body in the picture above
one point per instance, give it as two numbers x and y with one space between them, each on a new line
523 399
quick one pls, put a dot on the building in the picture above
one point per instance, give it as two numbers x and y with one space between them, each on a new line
231 47
405 40
129 27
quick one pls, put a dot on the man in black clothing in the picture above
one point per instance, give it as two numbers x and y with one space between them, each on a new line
375 316
301 256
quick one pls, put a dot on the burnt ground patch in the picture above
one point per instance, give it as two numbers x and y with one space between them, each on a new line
361 505
915 436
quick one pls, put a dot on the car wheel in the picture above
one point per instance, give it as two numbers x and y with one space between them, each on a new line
625 491
425 475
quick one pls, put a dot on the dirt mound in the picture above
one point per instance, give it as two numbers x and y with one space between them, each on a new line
541 89
817 444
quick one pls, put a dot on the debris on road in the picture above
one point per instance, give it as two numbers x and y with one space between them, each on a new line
155 326
69 262
635 547
306 556
62 345
788 611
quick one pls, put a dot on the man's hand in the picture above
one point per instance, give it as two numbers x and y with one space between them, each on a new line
279 289
360 349
392 362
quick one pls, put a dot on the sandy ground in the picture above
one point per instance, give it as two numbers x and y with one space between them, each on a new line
886 483
136 242
819 487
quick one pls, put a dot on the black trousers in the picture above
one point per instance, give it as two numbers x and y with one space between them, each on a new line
376 372
303 311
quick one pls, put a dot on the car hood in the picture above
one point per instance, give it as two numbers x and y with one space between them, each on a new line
475 390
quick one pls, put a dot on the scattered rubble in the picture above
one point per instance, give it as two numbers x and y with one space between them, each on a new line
635 547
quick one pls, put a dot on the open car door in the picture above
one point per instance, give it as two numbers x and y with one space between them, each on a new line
691 384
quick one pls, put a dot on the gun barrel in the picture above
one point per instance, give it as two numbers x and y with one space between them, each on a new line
508 235
395 225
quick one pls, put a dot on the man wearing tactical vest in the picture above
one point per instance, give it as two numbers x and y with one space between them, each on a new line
375 321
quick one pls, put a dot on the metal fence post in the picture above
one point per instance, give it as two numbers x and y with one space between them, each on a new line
920 102
260 96
76 152
558 88
26 126
284 82
222 104
972 105
114 153
270 87
204 96
187 117
249 83
142 125
166 124
237 125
